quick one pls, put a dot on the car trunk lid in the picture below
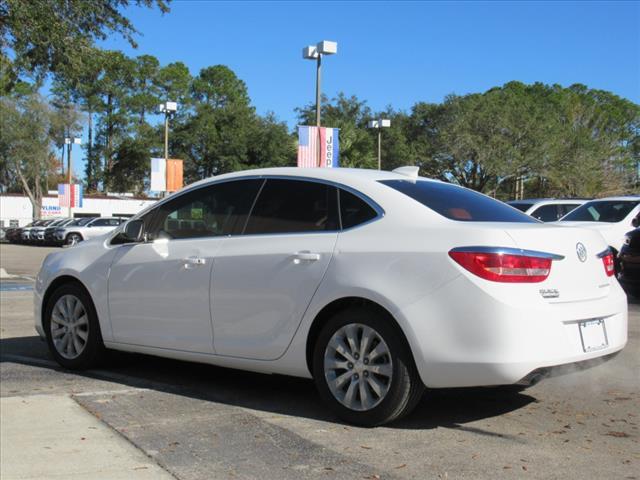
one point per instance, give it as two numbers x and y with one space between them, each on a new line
580 275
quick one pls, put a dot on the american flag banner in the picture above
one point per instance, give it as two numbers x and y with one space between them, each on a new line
69 195
308 138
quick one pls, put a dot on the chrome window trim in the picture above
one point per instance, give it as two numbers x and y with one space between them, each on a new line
509 251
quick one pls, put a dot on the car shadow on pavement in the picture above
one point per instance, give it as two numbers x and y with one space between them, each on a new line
451 408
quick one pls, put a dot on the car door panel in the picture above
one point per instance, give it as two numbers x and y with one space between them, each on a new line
262 286
159 294
264 279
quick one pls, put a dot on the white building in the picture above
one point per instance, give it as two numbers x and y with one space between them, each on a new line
16 210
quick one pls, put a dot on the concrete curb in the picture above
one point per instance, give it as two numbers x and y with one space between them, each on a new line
51 436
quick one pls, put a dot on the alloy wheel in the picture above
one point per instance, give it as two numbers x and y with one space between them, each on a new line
69 326
73 239
358 367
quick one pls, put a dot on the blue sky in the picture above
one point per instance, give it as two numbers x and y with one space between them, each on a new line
397 53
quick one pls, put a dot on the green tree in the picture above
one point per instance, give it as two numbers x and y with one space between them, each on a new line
173 82
216 137
25 147
114 87
270 144
57 36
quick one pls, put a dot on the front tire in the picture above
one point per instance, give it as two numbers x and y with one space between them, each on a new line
364 370
72 328
73 239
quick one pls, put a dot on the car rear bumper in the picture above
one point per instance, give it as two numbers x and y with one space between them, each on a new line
481 341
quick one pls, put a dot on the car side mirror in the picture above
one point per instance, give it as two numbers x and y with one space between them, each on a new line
635 222
133 231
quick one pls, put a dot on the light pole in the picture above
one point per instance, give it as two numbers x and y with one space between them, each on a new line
69 143
315 52
169 109
379 125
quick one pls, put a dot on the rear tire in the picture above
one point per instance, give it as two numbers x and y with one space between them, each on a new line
72 329
364 370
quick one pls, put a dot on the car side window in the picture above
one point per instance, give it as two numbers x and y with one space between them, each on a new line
546 213
354 210
219 209
567 207
101 222
294 206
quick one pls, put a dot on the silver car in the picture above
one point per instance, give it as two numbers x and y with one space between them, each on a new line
86 228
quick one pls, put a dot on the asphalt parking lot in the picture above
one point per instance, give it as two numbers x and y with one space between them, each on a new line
194 421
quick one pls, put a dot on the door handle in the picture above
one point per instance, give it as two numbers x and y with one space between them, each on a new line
305 256
194 261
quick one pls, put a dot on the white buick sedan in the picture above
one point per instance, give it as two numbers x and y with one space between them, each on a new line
376 284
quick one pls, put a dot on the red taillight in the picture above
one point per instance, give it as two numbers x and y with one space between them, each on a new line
609 264
504 267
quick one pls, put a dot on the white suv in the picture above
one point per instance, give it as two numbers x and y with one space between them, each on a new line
547 209
81 230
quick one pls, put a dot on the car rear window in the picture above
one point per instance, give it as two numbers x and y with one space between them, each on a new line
457 203
611 211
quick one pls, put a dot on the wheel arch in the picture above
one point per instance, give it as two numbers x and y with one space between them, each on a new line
73 232
339 305
54 285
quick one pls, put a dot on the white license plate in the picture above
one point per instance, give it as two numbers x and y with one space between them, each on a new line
593 335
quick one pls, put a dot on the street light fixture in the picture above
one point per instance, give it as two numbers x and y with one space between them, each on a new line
169 109
315 52
379 125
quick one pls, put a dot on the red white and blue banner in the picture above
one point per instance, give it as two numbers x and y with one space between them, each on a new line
69 195
329 151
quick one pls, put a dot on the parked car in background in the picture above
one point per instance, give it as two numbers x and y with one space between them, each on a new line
612 217
36 235
93 227
373 283
59 233
49 232
629 261
547 209
13 234
25 232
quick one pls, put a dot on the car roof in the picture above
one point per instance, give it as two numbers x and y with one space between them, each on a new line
339 175
627 198
547 200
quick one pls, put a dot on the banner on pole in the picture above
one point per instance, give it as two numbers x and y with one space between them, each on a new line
158 175
329 147
174 175
70 195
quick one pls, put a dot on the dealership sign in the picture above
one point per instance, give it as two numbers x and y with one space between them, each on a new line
50 211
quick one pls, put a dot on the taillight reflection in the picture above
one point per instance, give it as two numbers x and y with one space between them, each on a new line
504 267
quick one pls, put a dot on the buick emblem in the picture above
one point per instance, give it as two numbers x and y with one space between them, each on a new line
581 251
